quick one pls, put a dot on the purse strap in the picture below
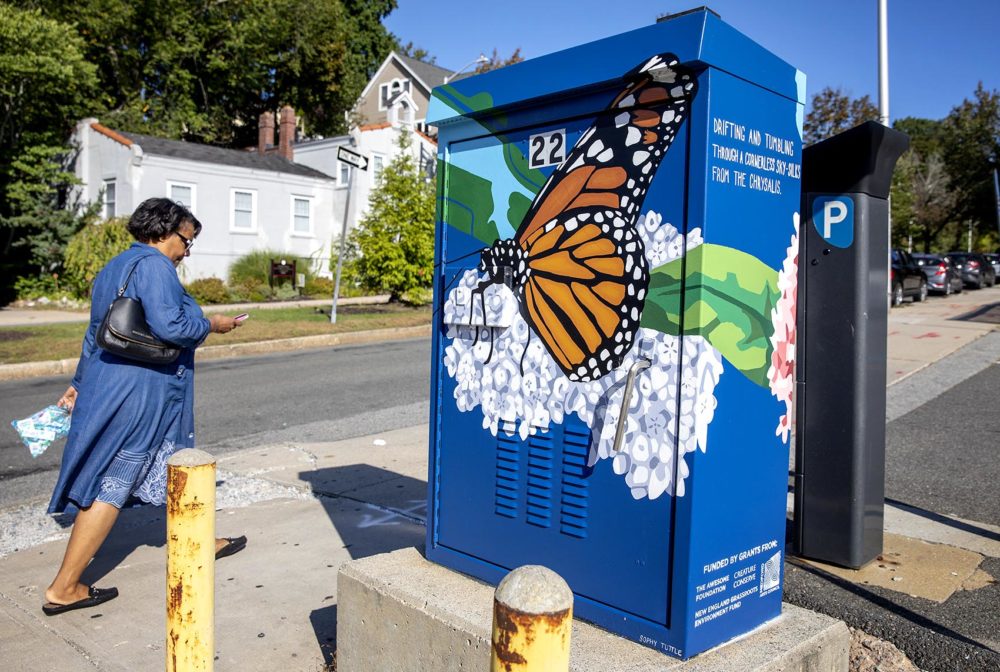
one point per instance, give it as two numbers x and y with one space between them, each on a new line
128 278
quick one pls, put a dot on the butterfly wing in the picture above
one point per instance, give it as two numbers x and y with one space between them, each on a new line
614 161
584 290
585 276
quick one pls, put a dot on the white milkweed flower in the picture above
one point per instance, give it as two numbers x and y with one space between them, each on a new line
519 388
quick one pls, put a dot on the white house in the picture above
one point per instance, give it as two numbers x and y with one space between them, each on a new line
379 144
245 200
292 196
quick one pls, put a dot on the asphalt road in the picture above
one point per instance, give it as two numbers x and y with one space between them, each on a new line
942 459
310 395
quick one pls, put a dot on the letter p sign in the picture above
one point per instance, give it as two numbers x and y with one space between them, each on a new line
833 217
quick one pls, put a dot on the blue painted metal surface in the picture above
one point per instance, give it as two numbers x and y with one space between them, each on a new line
677 541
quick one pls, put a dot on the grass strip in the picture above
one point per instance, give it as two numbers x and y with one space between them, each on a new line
62 341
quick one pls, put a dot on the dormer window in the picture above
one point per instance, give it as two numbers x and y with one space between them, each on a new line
388 90
401 112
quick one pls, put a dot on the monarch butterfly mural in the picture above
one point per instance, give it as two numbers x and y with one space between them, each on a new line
592 281
577 264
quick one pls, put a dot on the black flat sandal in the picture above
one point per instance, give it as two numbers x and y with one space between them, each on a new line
97 596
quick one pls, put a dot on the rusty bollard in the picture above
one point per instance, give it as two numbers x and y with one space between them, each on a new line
532 622
190 561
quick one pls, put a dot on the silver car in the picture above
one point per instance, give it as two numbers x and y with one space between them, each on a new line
943 276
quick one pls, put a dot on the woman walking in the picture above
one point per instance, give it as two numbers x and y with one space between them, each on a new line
129 417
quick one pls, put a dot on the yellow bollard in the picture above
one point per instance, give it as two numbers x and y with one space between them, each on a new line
190 561
532 622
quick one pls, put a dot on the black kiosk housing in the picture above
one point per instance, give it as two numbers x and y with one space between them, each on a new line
842 323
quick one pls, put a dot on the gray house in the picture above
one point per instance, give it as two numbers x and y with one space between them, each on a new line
399 75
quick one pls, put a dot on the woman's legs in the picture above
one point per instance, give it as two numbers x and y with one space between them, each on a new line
89 531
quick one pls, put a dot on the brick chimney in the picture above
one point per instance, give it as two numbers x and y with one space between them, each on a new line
265 132
286 132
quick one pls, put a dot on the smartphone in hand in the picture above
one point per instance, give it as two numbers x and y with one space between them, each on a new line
242 316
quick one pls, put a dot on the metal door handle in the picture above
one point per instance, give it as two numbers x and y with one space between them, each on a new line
640 365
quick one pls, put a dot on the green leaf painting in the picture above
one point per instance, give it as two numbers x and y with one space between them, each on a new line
728 296
471 213
450 96
531 179
517 208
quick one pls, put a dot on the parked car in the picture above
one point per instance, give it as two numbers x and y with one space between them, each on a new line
907 279
943 276
994 259
977 271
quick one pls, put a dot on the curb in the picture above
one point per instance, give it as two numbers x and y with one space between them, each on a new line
67 367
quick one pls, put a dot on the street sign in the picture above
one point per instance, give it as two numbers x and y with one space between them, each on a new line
359 161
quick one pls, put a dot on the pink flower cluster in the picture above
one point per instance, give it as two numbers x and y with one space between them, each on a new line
781 373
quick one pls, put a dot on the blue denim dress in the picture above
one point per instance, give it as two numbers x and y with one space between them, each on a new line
129 416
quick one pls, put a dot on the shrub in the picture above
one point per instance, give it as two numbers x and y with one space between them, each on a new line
208 290
319 288
418 296
249 290
256 266
31 287
91 249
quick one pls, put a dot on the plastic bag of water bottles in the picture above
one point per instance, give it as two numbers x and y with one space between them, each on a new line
41 429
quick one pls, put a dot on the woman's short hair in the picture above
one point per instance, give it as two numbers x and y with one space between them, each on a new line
157 218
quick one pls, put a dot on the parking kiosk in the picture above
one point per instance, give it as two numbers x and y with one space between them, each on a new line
615 327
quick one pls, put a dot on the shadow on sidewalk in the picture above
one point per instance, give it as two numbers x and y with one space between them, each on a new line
139 526
374 511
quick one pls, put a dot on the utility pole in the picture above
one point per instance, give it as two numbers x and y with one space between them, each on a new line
883 62
996 192
356 161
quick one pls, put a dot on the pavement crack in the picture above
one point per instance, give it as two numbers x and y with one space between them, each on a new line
419 520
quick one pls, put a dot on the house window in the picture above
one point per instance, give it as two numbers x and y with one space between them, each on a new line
344 174
243 210
110 199
183 193
389 89
377 163
301 215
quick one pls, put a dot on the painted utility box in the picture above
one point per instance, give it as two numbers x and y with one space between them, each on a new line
615 327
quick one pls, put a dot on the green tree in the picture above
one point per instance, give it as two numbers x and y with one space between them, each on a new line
206 70
922 201
415 52
832 111
396 238
46 84
971 142
496 61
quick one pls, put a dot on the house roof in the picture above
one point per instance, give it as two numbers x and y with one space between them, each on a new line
429 74
192 151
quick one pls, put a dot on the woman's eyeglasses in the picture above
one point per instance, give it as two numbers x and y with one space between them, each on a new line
188 242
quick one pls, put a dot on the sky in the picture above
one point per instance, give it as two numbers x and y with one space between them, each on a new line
938 51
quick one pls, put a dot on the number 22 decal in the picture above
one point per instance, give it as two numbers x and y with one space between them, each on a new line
547 149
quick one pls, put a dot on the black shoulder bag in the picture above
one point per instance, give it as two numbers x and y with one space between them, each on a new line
124 331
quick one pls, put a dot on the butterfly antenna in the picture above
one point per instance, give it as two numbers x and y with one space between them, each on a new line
452 282
490 356
525 351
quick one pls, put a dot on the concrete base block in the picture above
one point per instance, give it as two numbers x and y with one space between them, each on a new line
399 612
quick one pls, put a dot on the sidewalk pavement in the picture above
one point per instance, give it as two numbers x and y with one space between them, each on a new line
25 317
311 508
